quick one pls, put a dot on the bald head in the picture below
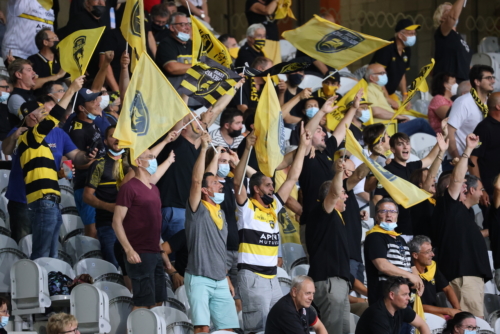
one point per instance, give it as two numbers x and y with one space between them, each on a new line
463 88
494 102
373 71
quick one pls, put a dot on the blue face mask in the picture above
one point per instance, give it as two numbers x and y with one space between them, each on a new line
115 154
388 226
5 321
469 332
218 198
90 116
223 170
310 112
183 36
410 40
4 97
365 115
153 166
382 80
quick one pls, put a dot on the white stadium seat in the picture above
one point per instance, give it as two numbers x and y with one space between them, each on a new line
143 321
90 306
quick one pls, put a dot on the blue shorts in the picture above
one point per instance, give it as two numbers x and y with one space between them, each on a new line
211 299
86 212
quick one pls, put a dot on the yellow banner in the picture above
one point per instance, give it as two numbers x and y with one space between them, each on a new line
401 191
283 10
133 31
76 50
272 50
206 44
331 43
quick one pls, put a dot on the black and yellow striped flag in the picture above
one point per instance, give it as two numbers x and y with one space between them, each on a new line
207 81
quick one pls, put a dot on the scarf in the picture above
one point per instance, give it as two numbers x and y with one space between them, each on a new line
418 307
432 200
215 213
340 215
428 276
482 107
254 94
430 273
270 210
378 229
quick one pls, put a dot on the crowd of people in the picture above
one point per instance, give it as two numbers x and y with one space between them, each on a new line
197 206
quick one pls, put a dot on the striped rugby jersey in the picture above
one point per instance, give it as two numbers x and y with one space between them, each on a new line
259 238
37 160
398 253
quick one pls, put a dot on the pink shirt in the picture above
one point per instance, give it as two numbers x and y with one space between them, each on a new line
436 102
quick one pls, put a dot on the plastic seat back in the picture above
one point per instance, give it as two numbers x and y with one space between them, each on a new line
81 247
72 225
51 264
120 305
91 307
96 268
30 289
143 321
293 254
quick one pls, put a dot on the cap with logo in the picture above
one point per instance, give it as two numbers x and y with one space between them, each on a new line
86 95
28 107
406 24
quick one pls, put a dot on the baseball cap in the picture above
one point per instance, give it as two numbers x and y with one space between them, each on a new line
28 107
406 24
86 95
334 75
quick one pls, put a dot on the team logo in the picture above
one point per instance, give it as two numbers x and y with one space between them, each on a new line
207 42
272 224
210 80
339 40
139 115
281 134
286 223
78 46
293 67
135 20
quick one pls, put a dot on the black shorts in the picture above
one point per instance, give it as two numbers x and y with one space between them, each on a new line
148 280
120 257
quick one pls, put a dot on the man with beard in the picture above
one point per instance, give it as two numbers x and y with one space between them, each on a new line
229 133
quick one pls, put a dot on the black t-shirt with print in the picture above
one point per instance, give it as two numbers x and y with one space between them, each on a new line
169 50
432 287
352 220
493 220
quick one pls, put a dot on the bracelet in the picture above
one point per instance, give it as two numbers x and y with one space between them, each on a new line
465 155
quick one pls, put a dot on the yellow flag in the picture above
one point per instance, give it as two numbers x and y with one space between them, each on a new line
333 119
206 44
331 43
76 50
283 10
147 115
269 129
272 50
133 31
401 191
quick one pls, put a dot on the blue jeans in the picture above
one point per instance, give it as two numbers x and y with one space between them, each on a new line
173 221
416 125
357 270
46 220
107 238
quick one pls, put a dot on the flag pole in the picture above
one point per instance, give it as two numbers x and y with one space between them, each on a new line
189 8
329 75
191 121
246 165
196 119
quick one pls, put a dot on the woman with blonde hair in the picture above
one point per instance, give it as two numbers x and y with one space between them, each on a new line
62 323
452 54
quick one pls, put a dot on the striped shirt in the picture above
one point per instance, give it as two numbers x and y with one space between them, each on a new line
37 160
398 254
218 140
259 238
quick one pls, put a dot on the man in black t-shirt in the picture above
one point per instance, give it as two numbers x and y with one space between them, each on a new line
493 221
434 281
388 315
461 248
250 92
401 147
256 40
293 313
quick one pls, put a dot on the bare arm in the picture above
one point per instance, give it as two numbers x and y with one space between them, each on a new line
370 184
104 61
381 113
170 137
458 174
162 168
262 9
335 191
321 66
118 216
452 149
421 325
361 172
9 143
402 85
176 68
90 199
287 107
124 74
429 159
79 158
39 82
319 328
442 111
452 297
152 43
496 194
239 172
197 177
294 205
222 103
340 130
450 20
360 288
383 265
433 170
72 89
327 108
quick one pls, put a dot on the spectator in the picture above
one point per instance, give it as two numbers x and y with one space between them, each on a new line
93 15
463 88
62 323
112 112
395 58
493 223
256 40
422 253
229 134
22 77
329 86
7 120
463 322
307 109
293 313
24 19
85 134
198 8
399 166
376 76
444 86
289 88
257 219
468 110
46 62
262 12
172 8
231 44
208 287
467 267
54 89
159 20
452 53
177 245
174 53
4 314
389 314
386 252
250 92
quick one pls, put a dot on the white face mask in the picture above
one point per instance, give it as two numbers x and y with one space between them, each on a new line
104 101
453 89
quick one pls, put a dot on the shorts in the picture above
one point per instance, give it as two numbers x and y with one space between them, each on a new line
86 212
470 294
232 270
211 300
148 280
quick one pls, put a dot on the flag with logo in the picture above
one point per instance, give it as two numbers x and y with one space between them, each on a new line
269 129
207 81
146 114
76 50
401 191
331 43
272 50
297 64
206 44
133 31
284 10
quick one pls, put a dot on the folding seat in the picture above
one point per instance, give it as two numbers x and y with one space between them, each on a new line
9 254
72 225
81 247
30 288
143 321
100 270
120 305
301 269
293 255
49 264
90 306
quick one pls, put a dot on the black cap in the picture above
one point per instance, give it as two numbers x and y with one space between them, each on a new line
335 75
28 107
406 24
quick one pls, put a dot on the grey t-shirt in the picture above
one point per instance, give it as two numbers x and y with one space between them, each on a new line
206 244
15 102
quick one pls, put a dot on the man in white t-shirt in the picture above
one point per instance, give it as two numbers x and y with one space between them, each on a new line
467 111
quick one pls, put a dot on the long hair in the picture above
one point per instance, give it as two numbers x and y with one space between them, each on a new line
456 321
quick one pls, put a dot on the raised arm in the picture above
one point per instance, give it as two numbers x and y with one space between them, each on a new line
287 107
124 74
339 132
197 177
72 90
450 19
458 174
9 143
452 149
433 170
162 168
222 103
262 9
496 192
170 137
362 171
427 161
335 191
105 59
239 172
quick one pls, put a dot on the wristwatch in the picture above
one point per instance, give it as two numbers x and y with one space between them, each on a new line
202 15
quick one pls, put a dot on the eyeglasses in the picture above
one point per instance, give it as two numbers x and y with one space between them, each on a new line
384 212
472 328
71 331
433 251
182 24
380 73
57 91
5 87
490 78
149 157
4 312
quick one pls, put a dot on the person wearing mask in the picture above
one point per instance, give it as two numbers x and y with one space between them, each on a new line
23 79
443 87
159 21
4 314
452 54
231 44
289 88
93 15
229 134
7 120
54 89
329 87
256 40
250 92
112 111
262 12
461 323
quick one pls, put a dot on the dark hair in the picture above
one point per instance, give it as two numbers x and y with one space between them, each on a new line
443 183
204 182
159 10
386 200
47 87
224 37
471 181
392 284
476 73
210 155
171 20
371 132
457 321
45 99
108 129
417 176
228 116
255 180
398 136
249 118
40 37
17 66
3 301
437 85
260 61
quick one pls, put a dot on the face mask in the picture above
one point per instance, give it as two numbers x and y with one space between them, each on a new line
310 112
453 89
410 40
382 80
104 101
329 90
223 170
183 36
54 48
267 199
218 198
97 11
5 321
234 52
156 27
365 115
235 133
115 154
295 79
465 331
388 226
91 116
259 44
4 97
153 166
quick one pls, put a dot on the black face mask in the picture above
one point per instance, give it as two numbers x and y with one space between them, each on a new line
156 27
54 48
295 79
235 133
97 11
267 199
